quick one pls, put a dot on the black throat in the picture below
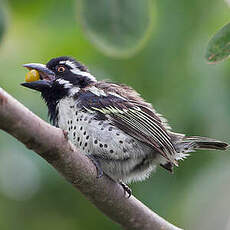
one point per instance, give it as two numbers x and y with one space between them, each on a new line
57 92
52 97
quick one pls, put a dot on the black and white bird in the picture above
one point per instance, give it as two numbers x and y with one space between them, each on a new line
122 133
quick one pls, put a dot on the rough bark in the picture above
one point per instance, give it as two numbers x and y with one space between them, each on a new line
52 145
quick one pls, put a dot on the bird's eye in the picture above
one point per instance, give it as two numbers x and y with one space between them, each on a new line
61 69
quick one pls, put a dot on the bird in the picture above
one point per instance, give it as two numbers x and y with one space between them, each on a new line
123 135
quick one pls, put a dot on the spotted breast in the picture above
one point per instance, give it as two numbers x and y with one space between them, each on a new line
118 153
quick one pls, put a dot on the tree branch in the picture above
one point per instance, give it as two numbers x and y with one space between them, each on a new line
52 145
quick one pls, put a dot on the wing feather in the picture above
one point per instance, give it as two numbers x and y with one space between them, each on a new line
133 118
154 127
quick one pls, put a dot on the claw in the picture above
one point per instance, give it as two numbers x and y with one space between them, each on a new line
65 133
97 165
126 188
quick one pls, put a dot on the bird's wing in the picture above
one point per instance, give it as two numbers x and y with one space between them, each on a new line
133 118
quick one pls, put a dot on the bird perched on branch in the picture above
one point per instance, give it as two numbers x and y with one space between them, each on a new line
118 130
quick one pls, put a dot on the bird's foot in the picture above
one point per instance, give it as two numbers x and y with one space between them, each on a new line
126 188
97 165
65 133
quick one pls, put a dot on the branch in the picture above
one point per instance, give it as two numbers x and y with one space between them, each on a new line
52 145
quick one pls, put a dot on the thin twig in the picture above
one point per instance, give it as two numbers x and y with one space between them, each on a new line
52 145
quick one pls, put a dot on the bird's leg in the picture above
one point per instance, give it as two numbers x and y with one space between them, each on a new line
126 188
100 174
97 165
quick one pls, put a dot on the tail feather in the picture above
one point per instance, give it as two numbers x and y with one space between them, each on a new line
188 144
184 145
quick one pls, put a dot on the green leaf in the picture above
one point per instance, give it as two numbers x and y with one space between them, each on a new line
118 28
218 48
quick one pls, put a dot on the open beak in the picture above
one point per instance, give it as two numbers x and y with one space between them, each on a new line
46 77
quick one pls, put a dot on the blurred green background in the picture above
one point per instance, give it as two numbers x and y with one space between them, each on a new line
158 48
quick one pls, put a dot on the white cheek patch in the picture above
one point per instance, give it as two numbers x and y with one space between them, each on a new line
65 83
83 73
96 91
69 63
77 71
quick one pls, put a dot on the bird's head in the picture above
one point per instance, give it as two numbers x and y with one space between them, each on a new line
60 77
62 73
